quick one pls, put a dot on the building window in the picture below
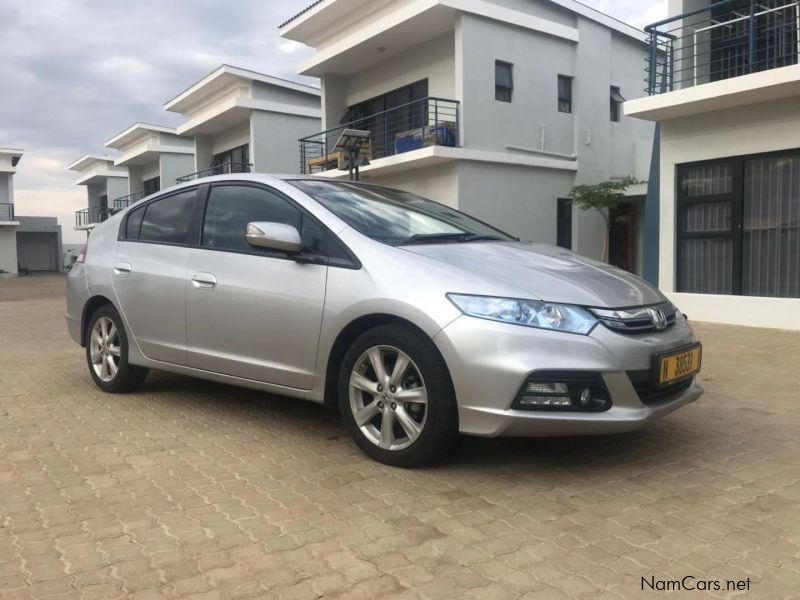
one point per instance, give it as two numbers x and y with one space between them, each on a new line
738 226
616 104
234 160
503 81
408 110
564 94
151 186
564 223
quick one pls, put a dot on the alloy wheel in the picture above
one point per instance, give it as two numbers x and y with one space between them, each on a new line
104 349
388 397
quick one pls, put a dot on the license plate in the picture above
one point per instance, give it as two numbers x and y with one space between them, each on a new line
679 365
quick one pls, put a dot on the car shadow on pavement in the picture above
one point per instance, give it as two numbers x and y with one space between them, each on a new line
664 442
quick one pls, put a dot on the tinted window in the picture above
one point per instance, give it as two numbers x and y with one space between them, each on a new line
134 223
503 81
167 220
231 208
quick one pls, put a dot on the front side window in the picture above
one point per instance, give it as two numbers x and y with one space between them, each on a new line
231 207
395 217
503 81
739 226
616 101
167 220
564 94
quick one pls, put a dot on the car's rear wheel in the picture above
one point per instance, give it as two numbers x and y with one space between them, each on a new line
396 397
107 353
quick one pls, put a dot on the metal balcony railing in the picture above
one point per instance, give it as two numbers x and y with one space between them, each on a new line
6 212
126 201
223 169
726 39
92 216
425 122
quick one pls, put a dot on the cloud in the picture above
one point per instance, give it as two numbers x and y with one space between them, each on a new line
76 72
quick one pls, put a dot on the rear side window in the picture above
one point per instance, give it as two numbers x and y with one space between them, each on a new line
134 223
167 220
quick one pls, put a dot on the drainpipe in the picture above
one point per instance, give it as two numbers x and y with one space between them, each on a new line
651 211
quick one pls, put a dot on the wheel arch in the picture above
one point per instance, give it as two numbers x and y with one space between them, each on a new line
92 304
348 335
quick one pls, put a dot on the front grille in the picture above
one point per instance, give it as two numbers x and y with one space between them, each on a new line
651 393
642 319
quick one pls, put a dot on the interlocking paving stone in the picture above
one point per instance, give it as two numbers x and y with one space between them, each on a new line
190 489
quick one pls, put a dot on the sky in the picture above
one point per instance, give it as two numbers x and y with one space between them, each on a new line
76 72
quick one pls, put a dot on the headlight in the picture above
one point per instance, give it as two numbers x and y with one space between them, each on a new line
531 313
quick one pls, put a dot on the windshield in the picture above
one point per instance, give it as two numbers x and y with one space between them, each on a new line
395 217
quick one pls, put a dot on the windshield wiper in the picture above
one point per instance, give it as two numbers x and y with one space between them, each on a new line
435 238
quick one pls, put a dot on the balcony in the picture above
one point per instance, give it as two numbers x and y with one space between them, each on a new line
88 217
126 201
222 169
728 39
6 212
418 124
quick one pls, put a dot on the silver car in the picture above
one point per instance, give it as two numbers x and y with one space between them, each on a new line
417 321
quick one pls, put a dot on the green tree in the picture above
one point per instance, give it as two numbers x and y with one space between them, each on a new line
603 197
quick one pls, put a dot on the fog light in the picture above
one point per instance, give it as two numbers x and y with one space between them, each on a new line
547 388
545 401
586 396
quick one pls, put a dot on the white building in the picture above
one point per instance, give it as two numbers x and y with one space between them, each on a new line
725 92
104 182
243 121
496 107
155 158
26 243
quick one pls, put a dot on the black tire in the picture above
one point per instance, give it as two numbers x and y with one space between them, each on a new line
128 377
440 428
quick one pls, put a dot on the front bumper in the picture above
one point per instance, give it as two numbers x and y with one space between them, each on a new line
489 362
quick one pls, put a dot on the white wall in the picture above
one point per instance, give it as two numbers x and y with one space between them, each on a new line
437 182
8 251
734 132
230 138
274 147
6 188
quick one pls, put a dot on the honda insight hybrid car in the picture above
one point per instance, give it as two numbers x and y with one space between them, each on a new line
416 320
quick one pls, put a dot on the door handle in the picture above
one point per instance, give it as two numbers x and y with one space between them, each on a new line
204 280
122 269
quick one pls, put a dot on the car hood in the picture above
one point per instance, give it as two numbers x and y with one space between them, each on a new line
546 272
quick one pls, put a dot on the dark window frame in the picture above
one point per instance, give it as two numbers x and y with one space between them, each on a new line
503 92
226 156
153 182
736 231
615 99
564 204
564 99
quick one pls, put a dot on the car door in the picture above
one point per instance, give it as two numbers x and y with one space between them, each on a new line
149 274
251 312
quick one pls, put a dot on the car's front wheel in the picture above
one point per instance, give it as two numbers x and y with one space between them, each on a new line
396 397
107 353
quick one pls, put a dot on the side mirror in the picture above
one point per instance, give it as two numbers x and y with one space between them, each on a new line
275 236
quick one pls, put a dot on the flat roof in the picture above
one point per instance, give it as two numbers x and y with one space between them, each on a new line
593 14
14 153
134 132
225 74
87 159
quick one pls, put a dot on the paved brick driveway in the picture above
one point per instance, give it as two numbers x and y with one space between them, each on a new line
192 489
